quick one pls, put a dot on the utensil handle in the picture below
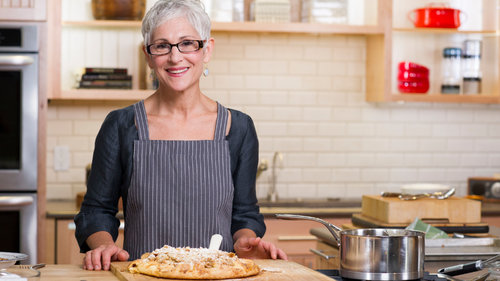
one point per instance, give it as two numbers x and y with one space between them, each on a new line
461 268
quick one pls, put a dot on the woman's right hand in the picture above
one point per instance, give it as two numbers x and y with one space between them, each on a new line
102 256
104 251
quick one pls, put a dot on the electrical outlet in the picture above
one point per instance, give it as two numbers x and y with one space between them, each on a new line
61 158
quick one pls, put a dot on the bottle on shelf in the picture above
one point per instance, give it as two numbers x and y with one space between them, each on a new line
472 67
451 72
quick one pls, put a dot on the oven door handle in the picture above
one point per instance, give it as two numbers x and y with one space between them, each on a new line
16 60
15 201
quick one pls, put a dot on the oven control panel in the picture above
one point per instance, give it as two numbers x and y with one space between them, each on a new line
487 188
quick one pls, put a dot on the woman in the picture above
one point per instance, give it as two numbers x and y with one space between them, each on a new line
184 165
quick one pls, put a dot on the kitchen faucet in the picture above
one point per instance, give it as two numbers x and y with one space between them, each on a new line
272 194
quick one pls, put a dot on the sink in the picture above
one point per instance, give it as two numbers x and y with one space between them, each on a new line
310 203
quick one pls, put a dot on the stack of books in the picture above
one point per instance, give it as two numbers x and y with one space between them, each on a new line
105 78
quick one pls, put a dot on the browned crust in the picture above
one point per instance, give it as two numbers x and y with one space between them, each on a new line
209 269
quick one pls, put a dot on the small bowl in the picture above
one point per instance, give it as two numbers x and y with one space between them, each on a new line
413 67
416 87
419 188
408 76
8 259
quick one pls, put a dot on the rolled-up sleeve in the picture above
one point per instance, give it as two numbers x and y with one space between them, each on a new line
100 204
244 148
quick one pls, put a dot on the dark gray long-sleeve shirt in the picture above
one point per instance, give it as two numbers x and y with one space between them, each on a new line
112 170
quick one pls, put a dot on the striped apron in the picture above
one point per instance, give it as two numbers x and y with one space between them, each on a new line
181 192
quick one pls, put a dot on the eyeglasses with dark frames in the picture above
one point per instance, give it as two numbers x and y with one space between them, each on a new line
164 48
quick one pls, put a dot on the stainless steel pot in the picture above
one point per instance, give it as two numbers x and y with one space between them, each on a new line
376 254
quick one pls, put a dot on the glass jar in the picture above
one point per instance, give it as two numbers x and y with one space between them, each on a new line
451 71
472 66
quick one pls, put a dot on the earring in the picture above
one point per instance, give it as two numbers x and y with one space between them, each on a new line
205 72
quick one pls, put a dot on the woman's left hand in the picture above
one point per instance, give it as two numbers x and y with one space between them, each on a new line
256 248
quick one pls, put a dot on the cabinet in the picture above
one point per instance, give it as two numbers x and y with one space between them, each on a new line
294 239
62 247
77 41
390 39
26 10
403 42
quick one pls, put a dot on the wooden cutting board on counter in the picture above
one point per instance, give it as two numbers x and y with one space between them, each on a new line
279 270
395 210
361 221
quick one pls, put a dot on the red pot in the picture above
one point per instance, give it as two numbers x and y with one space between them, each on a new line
437 17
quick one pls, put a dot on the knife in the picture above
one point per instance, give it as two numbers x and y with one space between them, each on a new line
468 267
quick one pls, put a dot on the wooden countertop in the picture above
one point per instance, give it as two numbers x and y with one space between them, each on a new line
67 209
272 270
68 272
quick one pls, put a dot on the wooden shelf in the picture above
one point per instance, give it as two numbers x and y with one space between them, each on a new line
447 98
103 94
259 27
445 31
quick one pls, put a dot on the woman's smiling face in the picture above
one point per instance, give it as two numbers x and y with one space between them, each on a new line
178 71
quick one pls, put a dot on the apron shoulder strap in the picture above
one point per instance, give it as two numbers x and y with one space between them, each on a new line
141 120
221 123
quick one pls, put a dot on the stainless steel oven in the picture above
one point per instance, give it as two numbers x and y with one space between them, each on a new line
19 221
19 69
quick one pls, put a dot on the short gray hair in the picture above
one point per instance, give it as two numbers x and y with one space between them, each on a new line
164 10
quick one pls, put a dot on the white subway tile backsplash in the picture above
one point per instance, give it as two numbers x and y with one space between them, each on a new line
403 175
471 160
229 81
313 144
473 130
59 128
431 174
347 175
76 143
332 159
316 175
289 113
488 144
86 127
303 67
347 83
374 175
288 82
273 67
346 114
302 129
360 129
249 97
428 144
316 114
300 159
360 160
302 98
317 53
330 68
242 67
294 144
446 130
306 95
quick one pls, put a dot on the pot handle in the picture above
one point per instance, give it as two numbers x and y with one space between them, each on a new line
332 228
464 15
411 16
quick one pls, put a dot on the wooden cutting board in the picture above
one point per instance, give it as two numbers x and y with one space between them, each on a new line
278 270
395 210
362 221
